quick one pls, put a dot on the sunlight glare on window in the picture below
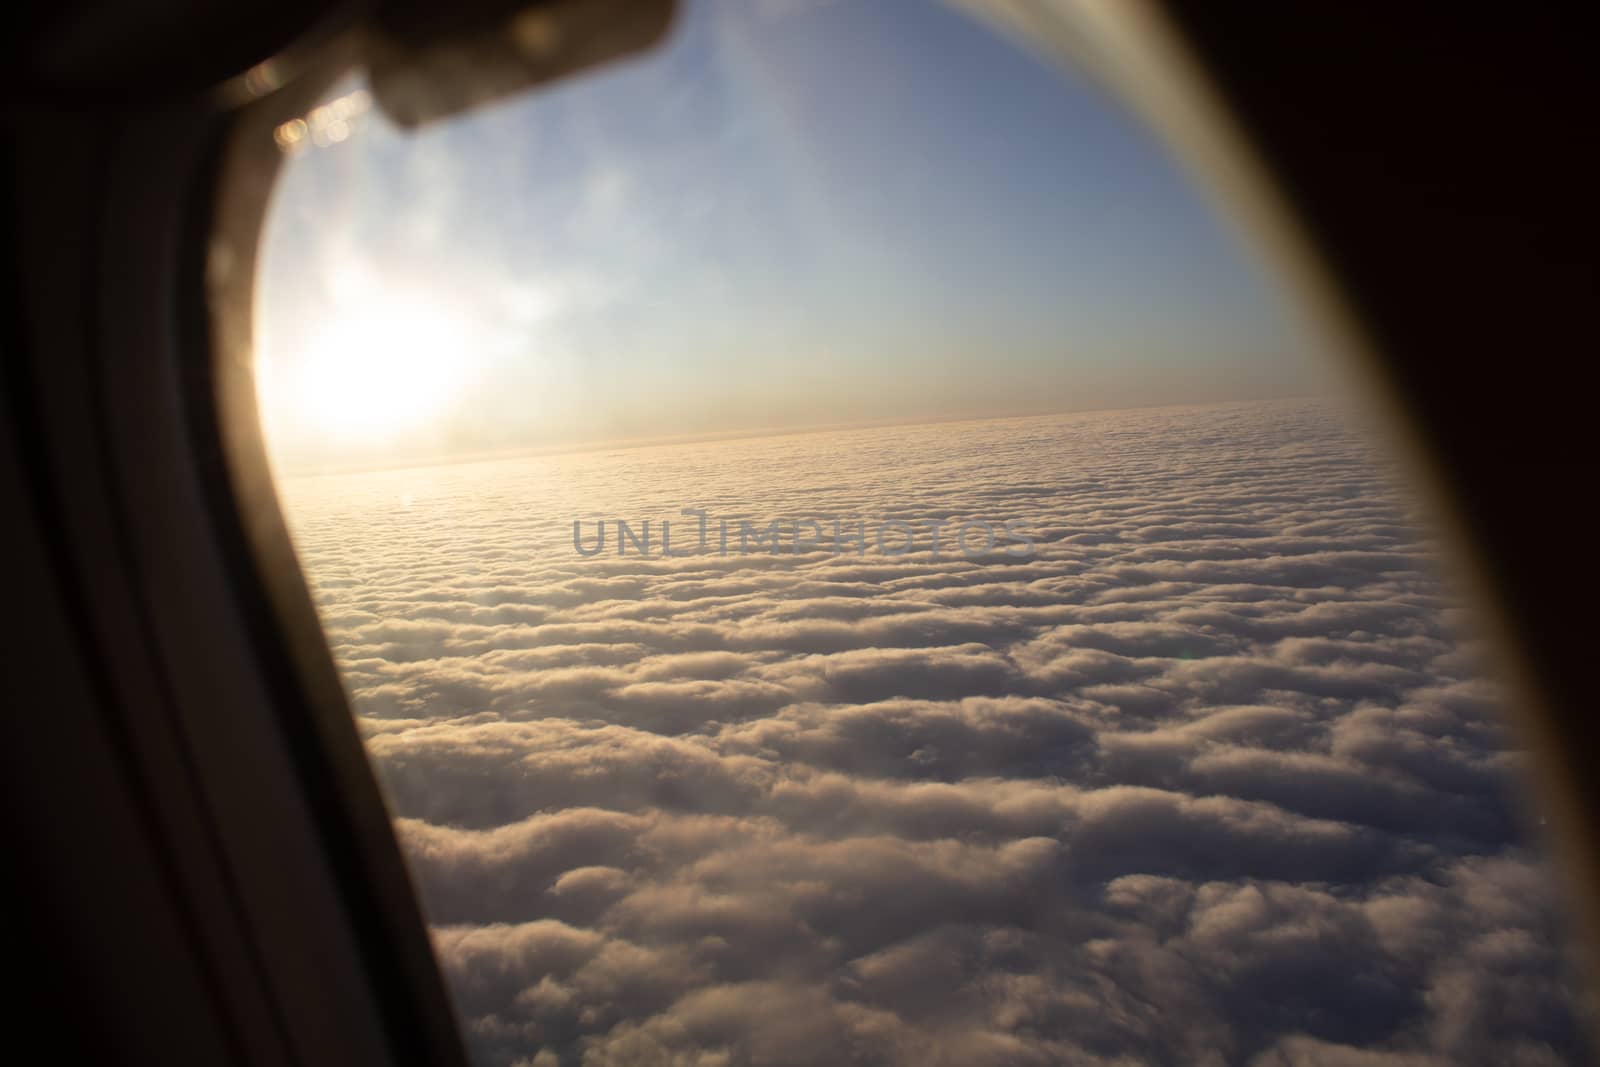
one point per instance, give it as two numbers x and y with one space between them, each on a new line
374 371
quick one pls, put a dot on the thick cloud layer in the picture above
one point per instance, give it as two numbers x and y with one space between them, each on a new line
1209 777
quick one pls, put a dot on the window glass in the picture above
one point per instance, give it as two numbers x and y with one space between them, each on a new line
838 556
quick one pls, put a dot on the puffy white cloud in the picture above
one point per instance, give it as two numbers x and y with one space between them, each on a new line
1211 777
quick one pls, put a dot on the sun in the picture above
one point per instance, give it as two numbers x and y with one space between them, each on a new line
381 370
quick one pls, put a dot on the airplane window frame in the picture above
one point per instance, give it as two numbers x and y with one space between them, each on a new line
138 443
1143 52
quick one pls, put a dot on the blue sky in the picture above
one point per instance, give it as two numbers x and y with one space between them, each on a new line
792 214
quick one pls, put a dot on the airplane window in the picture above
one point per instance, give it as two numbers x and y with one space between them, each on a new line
840 556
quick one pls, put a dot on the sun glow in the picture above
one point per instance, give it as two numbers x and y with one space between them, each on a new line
375 373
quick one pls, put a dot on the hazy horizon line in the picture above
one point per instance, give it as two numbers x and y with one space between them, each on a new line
285 469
